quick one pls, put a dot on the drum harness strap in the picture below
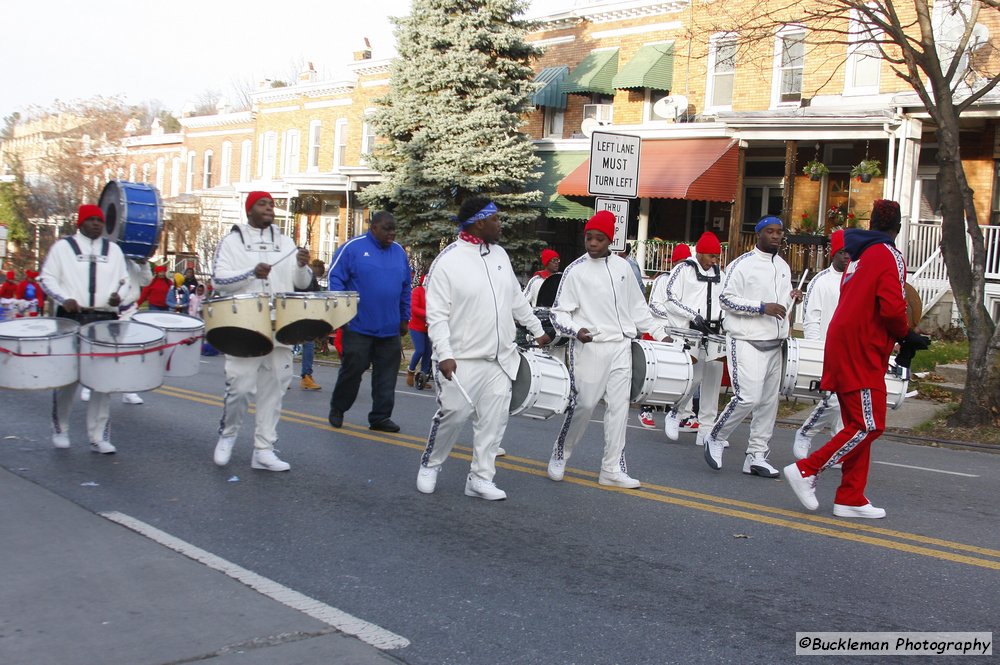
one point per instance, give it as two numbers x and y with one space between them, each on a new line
80 256
713 278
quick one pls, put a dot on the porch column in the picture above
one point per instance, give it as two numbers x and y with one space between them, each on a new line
642 233
736 217
905 177
788 194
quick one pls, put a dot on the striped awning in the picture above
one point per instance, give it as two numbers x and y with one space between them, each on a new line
555 167
548 92
594 73
651 67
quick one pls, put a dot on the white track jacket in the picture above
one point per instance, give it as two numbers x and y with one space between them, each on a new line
67 276
679 295
820 303
243 248
753 279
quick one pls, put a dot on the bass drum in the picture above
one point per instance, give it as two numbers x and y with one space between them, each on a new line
541 389
133 215
661 373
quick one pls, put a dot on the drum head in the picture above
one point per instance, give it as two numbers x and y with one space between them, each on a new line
169 320
521 387
547 291
305 330
37 327
121 333
239 342
638 370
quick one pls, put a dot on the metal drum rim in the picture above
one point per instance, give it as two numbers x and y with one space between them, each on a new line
139 345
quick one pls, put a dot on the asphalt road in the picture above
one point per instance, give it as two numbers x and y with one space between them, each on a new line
697 566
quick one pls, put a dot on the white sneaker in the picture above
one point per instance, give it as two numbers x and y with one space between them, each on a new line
84 394
131 398
427 478
867 510
224 450
103 447
800 449
60 440
501 452
484 489
557 469
671 426
756 464
699 439
713 451
803 486
268 461
617 479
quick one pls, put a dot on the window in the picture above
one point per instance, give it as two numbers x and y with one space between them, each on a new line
189 181
759 199
340 144
226 168
314 134
269 155
161 165
553 122
175 176
864 61
652 97
721 72
245 156
145 172
206 175
367 136
789 62
131 173
290 157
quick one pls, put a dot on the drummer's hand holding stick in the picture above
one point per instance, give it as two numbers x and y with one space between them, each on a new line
71 306
447 367
302 256
584 335
262 270
543 340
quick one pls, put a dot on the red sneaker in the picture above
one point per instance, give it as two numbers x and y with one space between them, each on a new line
646 419
689 425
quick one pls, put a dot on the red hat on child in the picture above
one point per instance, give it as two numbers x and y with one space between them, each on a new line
9 274
681 252
708 243
86 211
159 269
31 274
253 197
603 221
548 255
836 241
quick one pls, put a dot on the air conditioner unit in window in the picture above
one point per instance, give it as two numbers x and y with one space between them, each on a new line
602 113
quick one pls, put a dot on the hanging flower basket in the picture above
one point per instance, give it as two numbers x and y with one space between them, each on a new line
815 170
866 169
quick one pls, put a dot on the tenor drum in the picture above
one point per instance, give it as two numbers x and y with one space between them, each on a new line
541 389
184 333
803 360
897 383
239 325
121 356
661 373
133 215
303 317
713 347
688 337
42 353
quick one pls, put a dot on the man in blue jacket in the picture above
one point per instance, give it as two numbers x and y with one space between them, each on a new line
377 268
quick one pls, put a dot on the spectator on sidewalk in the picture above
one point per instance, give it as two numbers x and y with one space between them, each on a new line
309 348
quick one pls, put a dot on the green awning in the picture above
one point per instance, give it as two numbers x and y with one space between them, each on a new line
651 67
594 73
548 84
555 167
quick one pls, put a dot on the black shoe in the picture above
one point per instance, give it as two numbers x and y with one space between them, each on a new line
384 426
336 419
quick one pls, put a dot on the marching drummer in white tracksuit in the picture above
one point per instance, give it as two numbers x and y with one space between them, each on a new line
599 305
256 258
756 295
473 298
688 297
85 275
820 303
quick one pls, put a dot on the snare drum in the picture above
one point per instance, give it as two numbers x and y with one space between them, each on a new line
689 337
896 384
803 360
661 373
303 317
119 356
46 349
541 389
133 215
239 325
713 347
185 332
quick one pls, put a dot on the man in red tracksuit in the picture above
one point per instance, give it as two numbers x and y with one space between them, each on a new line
870 318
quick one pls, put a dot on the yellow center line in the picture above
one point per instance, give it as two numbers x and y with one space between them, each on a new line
816 524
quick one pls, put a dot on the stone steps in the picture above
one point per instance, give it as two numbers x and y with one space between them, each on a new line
953 373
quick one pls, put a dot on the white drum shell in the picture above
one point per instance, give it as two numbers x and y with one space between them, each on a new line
803 368
127 374
182 359
713 347
687 336
895 387
50 347
239 325
661 373
301 317
541 389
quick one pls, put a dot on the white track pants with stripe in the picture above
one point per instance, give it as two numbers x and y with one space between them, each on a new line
98 412
708 376
756 378
825 415
269 376
489 388
598 370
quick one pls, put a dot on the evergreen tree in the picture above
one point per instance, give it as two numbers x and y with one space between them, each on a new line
460 88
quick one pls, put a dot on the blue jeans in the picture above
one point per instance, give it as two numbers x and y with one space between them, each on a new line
308 349
421 352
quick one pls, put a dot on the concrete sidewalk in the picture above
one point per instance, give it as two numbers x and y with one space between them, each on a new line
78 588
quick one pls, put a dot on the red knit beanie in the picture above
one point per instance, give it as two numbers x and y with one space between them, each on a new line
86 211
836 241
708 243
10 274
253 197
681 252
603 221
548 255
31 274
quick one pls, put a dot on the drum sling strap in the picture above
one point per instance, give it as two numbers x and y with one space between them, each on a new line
105 245
714 278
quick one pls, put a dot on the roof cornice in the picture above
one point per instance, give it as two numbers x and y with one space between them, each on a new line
217 120
607 12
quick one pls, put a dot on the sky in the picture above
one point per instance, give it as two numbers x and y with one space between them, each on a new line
175 52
